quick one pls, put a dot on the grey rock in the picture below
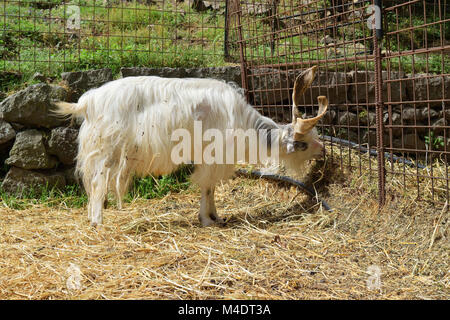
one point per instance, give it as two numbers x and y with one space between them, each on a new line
355 15
32 106
39 77
44 5
28 152
423 87
159 72
348 119
202 5
19 181
394 120
7 135
329 118
439 126
370 138
17 126
331 84
367 118
280 115
327 40
410 141
269 86
70 176
257 9
198 5
445 112
413 115
431 113
228 74
7 132
334 52
363 89
63 144
212 5
81 81
349 135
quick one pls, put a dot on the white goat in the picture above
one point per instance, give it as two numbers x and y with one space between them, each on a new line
128 124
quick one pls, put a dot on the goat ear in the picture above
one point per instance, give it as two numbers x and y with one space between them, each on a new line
302 82
303 126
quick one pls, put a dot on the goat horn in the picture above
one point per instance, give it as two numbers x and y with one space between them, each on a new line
303 126
302 82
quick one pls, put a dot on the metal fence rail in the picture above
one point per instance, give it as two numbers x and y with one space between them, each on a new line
384 65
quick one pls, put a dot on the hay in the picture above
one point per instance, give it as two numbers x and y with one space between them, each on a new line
277 244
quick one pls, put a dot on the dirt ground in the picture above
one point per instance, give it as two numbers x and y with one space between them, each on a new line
277 243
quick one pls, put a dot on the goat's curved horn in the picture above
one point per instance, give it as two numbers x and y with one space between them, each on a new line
302 82
303 126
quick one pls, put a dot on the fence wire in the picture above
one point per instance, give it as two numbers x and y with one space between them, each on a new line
389 96
53 36
389 89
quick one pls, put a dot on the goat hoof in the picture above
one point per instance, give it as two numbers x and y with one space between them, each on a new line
220 222
96 222
206 222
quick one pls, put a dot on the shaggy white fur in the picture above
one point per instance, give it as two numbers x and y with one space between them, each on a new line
128 125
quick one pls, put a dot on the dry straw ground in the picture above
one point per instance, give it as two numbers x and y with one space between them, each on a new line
277 244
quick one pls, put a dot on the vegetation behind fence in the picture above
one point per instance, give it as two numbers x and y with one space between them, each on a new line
52 36
384 65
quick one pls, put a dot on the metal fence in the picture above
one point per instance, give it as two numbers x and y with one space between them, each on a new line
384 65
52 36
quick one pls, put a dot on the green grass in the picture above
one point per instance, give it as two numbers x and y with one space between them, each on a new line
74 196
149 187
308 47
134 34
70 196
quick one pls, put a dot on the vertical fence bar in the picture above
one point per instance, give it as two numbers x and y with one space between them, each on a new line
241 49
226 53
378 35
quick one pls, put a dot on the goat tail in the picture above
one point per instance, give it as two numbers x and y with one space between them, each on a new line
70 109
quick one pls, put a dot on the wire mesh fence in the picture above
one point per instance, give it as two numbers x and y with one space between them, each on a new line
52 36
389 96
417 101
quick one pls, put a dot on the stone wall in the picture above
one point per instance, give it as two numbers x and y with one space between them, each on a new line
39 148
352 96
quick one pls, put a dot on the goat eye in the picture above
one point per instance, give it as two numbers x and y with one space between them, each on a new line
300 145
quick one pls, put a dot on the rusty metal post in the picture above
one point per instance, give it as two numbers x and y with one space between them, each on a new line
378 35
226 48
241 50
